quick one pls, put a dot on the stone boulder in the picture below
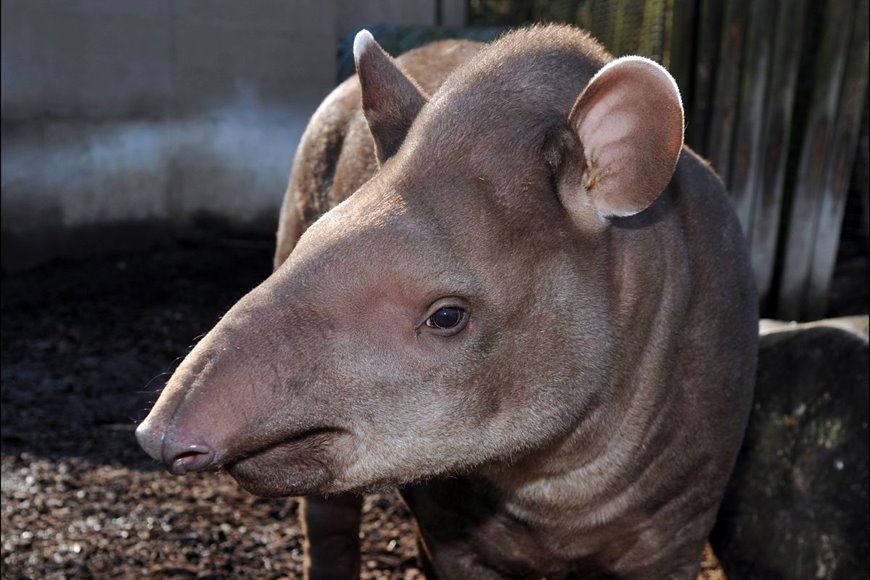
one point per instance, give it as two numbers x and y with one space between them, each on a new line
797 503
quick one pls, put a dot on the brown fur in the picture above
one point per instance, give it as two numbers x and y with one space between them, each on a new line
588 415
336 154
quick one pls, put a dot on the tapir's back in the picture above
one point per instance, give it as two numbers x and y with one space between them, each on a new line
721 336
336 154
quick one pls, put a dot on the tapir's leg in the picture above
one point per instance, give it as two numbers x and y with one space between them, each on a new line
332 536
425 559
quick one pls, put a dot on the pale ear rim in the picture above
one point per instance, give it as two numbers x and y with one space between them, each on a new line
662 71
361 43
604 203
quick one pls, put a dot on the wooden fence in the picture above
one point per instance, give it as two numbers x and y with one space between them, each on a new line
775 92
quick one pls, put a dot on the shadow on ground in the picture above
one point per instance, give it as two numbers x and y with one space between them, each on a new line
86 346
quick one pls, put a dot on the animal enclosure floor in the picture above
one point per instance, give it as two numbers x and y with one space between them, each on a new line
85 347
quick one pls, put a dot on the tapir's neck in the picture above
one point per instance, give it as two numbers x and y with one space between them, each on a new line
605 457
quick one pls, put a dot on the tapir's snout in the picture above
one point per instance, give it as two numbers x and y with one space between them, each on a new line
183 431
150 439
179 452
236 402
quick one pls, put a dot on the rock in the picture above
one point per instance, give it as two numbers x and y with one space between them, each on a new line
858 324
797 504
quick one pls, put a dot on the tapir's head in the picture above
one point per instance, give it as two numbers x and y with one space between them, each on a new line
456 309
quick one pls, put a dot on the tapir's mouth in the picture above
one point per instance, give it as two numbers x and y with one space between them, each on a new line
298 441
281 467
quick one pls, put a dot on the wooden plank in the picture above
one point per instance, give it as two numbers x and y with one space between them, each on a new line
584 17
680 47
621 34
748 133
724 112
586 20
650 40
839 162
861 179
601 22
709 38
770 180
811 173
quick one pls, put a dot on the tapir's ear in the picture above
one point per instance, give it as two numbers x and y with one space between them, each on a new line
629 122
391 100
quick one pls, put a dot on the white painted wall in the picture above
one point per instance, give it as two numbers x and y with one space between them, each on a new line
130 112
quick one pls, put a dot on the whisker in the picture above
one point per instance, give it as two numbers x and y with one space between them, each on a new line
152 379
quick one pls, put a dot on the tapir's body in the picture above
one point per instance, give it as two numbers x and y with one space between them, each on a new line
575 399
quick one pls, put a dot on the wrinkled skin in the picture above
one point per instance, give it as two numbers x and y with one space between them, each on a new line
588 406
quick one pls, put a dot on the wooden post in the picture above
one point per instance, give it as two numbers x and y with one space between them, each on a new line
813 169
748 134
770 181
721 137
680 48
709 39
838 166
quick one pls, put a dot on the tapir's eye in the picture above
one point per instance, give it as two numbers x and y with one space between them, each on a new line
447 316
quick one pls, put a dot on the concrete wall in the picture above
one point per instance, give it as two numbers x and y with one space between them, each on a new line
123 118
354 14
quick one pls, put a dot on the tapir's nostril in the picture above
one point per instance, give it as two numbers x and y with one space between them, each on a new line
179 452
180 458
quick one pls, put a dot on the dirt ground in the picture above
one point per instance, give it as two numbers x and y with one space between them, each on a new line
86 345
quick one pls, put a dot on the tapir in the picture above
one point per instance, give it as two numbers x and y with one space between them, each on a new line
504 286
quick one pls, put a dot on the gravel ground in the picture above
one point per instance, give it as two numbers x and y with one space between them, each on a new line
85 347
